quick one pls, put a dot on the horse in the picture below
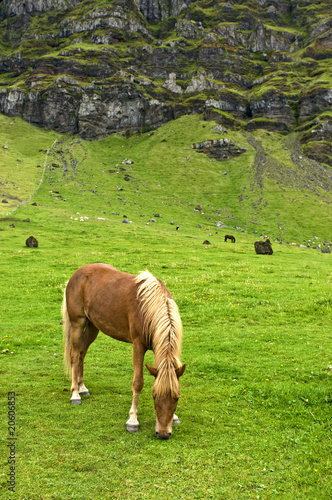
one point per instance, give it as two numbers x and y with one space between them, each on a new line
229 237
136 309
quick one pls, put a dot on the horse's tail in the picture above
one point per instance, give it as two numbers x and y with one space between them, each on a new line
66 336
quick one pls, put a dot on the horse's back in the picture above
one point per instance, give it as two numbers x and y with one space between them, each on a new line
106 296
99 276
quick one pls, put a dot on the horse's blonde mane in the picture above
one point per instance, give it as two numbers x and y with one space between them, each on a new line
163 332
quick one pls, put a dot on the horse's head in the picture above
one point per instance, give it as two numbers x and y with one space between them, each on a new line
165 403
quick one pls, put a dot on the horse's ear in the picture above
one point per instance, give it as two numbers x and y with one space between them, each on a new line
153 371
180 371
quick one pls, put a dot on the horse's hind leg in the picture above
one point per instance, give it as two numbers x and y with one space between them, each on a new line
90 334
83 333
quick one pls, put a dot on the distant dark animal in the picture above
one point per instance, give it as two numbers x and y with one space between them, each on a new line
136 309
230 237
177 228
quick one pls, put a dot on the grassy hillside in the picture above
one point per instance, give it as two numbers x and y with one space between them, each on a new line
22 160
271 189
256 395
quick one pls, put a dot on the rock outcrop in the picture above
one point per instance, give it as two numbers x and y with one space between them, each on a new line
23 7
221 149
96 69
263 248
159 10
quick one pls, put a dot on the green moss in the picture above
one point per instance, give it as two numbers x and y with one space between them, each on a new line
164 29
261 120
320 151
225 119
208 16
280 29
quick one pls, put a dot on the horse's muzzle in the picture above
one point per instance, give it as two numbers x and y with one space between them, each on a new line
163 436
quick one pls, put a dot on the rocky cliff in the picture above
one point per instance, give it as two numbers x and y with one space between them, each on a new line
97 67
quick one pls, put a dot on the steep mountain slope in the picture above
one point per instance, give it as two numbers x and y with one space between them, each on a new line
269 188
98 67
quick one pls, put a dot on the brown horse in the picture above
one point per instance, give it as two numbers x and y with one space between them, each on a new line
135 309
230 237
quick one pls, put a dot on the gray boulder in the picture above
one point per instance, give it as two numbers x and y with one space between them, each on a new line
263 247
31 242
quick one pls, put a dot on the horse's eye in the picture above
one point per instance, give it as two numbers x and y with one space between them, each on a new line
176 399
154 397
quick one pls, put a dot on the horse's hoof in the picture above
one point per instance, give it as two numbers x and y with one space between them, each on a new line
132 428
176 422
76 401
85 393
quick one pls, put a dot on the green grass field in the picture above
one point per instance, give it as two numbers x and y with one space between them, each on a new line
255 404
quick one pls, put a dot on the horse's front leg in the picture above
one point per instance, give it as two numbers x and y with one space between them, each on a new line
139 350
176 420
